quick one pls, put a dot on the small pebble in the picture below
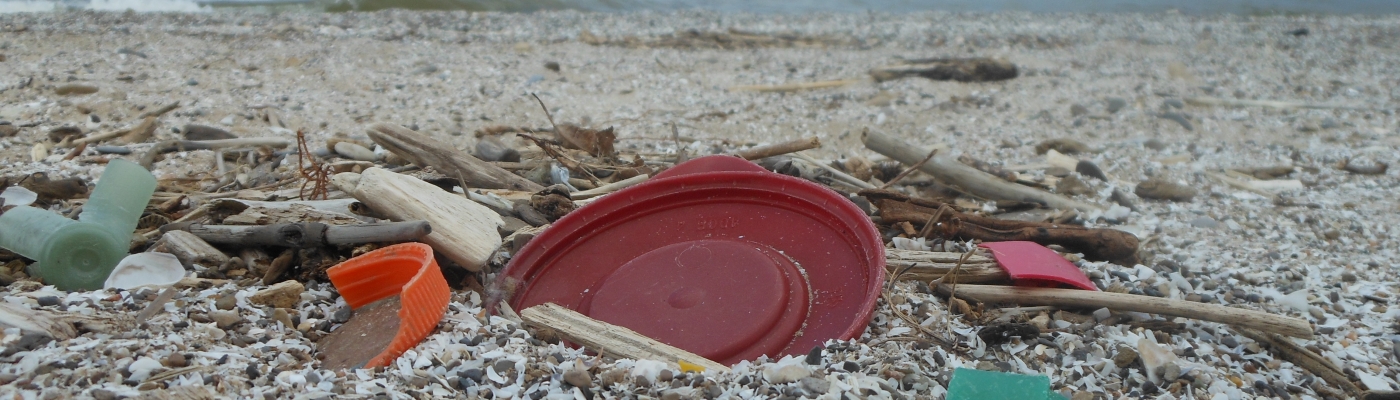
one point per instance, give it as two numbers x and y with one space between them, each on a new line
1114 104
1161 189
74 89
578 378
175 360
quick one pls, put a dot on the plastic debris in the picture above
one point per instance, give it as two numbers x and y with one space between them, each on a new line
145 269
79 255
971 384
409 277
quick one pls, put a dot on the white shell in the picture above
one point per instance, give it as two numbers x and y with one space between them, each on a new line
145 269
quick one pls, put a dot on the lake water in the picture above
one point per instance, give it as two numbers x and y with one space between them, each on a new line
1255 7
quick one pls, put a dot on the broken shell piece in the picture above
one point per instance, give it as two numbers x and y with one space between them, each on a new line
145 269
18 196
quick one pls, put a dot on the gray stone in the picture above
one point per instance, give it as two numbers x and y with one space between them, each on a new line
1113 104
816 386
1078 110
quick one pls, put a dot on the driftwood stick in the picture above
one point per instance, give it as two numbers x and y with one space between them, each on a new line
463 230
978 269
160 111
778 149
426 151
190 249
844 177
610 339
794 87
306 234
967 179
609 188
1216 101
1305 358
178 145
1237 317
104 136
949 69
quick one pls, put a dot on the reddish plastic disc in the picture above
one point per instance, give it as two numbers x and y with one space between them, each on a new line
715 256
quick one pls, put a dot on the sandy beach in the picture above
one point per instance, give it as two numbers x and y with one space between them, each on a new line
1129 86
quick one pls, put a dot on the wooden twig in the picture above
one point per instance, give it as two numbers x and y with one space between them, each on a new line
426 151
1127 302
1216 101
613 340
968 179
793 87
306 234
911 169
844 177
1301 356
316 174
1242 185
609 188
160 111
777 149
157 305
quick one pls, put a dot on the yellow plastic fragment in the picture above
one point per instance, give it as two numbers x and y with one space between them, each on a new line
688 367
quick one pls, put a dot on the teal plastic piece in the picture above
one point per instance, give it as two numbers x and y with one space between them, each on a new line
971 384
79 255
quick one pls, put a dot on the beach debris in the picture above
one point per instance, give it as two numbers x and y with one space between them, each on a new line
64 133
949 69
145 269
462 230
1031 264
1063 146
490 148
205 132
935 219
1304 357
426 151
304 234
190 249
79 255
950 171
75 89
408 277
972 384
715 236
1163 189
612 340
18 196
918 265
7 129
1206 101
1361 166
1237 317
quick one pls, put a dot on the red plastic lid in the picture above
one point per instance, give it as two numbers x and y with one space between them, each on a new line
1031 264
715 256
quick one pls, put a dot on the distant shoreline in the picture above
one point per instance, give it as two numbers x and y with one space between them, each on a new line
778 7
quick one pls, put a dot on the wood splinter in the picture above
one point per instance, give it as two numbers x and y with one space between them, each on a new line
609 339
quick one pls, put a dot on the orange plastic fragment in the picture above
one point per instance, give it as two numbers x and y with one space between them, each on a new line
407 270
